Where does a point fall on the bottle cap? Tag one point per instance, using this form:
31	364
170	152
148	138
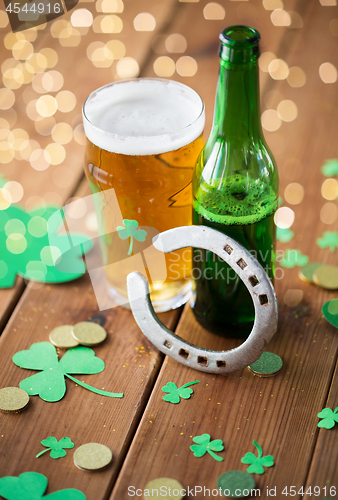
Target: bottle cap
239	44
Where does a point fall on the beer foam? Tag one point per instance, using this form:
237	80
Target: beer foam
143	116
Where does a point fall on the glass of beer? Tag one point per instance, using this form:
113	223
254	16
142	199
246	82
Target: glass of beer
144	136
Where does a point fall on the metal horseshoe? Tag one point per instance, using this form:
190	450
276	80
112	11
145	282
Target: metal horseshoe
250	272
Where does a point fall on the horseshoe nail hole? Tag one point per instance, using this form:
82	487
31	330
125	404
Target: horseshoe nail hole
242	264
253	280
201	360
221	364
167	344
263	299
184	354
228	249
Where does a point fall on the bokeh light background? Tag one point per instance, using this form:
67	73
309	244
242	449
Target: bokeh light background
48	71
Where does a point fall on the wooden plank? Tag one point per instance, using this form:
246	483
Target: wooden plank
58	182
323	470
280	413
131	363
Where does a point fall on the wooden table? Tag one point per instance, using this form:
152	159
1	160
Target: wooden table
150	438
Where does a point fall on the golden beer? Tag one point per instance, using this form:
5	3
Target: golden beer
143	143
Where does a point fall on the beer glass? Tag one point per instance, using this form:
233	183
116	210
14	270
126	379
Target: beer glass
143	139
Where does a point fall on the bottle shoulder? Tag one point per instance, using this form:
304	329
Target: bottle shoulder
220	160
235	184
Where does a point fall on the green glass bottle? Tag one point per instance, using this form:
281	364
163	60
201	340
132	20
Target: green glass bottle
235	188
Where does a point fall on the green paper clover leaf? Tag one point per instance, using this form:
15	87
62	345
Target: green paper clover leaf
330	312
175	394
330	168
329	240
204	445
284	234
131	231
329	417
257	463
294	258
50	384
31	486
31	247
56	447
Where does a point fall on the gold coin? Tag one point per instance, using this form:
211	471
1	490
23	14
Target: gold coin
306	272
62	337
88	333
164	488
92	456
13	399
326	277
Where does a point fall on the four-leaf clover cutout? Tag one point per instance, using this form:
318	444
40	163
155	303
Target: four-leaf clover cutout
329	417
257	463
56	447
50	383
204	445
176	393
329	240
31	486
131	231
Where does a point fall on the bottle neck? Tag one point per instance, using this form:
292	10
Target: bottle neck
237	107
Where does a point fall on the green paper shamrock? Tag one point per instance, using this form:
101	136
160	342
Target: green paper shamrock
31	486
257	463
50	383
330	168
205	445
329	239
30	247
130	231
329	417
284	234
294	258
56	447
330	312
176	393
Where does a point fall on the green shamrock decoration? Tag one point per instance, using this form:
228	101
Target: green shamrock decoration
50	383
294	258
284	234
257	463
56	447
330	168
31	247
32	486
330	312
329	240
205	445
130	231
175	393
329	417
